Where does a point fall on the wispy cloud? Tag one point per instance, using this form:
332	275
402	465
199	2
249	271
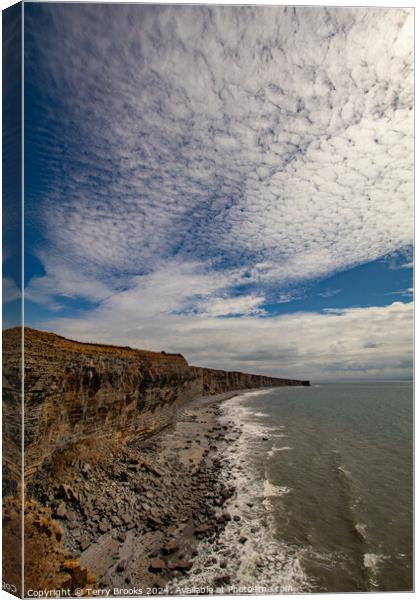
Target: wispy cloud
406	265
329	293
11	292
407	292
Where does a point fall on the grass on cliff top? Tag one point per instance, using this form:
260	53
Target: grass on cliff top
34	337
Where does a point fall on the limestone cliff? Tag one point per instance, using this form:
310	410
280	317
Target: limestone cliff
76	391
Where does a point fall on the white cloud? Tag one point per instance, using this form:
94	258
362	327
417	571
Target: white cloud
407	292
247	136
373	342
242	305
62	280
328	293
11	292
288	296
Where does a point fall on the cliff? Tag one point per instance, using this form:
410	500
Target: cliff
76	391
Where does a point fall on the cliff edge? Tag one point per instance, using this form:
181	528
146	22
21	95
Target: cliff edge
76	391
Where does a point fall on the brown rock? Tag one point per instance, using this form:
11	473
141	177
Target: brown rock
61	510
170	547
126	519
71	515
181	565
201	529
222	580
103	526
83	543
156	565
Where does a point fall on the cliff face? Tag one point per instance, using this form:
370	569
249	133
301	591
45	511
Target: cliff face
75	391
216	381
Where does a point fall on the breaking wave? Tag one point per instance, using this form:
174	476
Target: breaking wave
248	550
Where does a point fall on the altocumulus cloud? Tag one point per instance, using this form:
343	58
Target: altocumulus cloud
201	151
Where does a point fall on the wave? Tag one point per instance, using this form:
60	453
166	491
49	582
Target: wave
254	393
249	549
271	490
344	471
261	414
372	562
274	450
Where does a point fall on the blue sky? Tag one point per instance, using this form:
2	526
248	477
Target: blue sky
221	181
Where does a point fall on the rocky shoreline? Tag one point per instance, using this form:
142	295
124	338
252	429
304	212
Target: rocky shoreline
134	511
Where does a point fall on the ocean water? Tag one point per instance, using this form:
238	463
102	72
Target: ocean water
324	491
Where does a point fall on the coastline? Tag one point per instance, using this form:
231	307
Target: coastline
135	512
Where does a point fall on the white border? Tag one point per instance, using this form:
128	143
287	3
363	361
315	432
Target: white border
368	3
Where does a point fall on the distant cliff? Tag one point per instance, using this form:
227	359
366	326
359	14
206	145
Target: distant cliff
75	391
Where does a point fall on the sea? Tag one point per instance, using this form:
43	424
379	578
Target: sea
324	492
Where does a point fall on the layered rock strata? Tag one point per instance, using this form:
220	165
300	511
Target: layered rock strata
78	391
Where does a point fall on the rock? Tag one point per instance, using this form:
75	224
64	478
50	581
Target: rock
126	519
83	543
61	510
155	523
103	526
122	565
71	515
68	492
86	469
151	469
242	539
156	565
121	537
236	518
170	547
222	580
181	565
201	529
159	582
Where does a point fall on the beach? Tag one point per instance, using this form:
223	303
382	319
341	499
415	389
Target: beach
135	511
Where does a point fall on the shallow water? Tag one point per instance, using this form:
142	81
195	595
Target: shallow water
324	491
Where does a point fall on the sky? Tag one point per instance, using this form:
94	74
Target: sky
232	183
